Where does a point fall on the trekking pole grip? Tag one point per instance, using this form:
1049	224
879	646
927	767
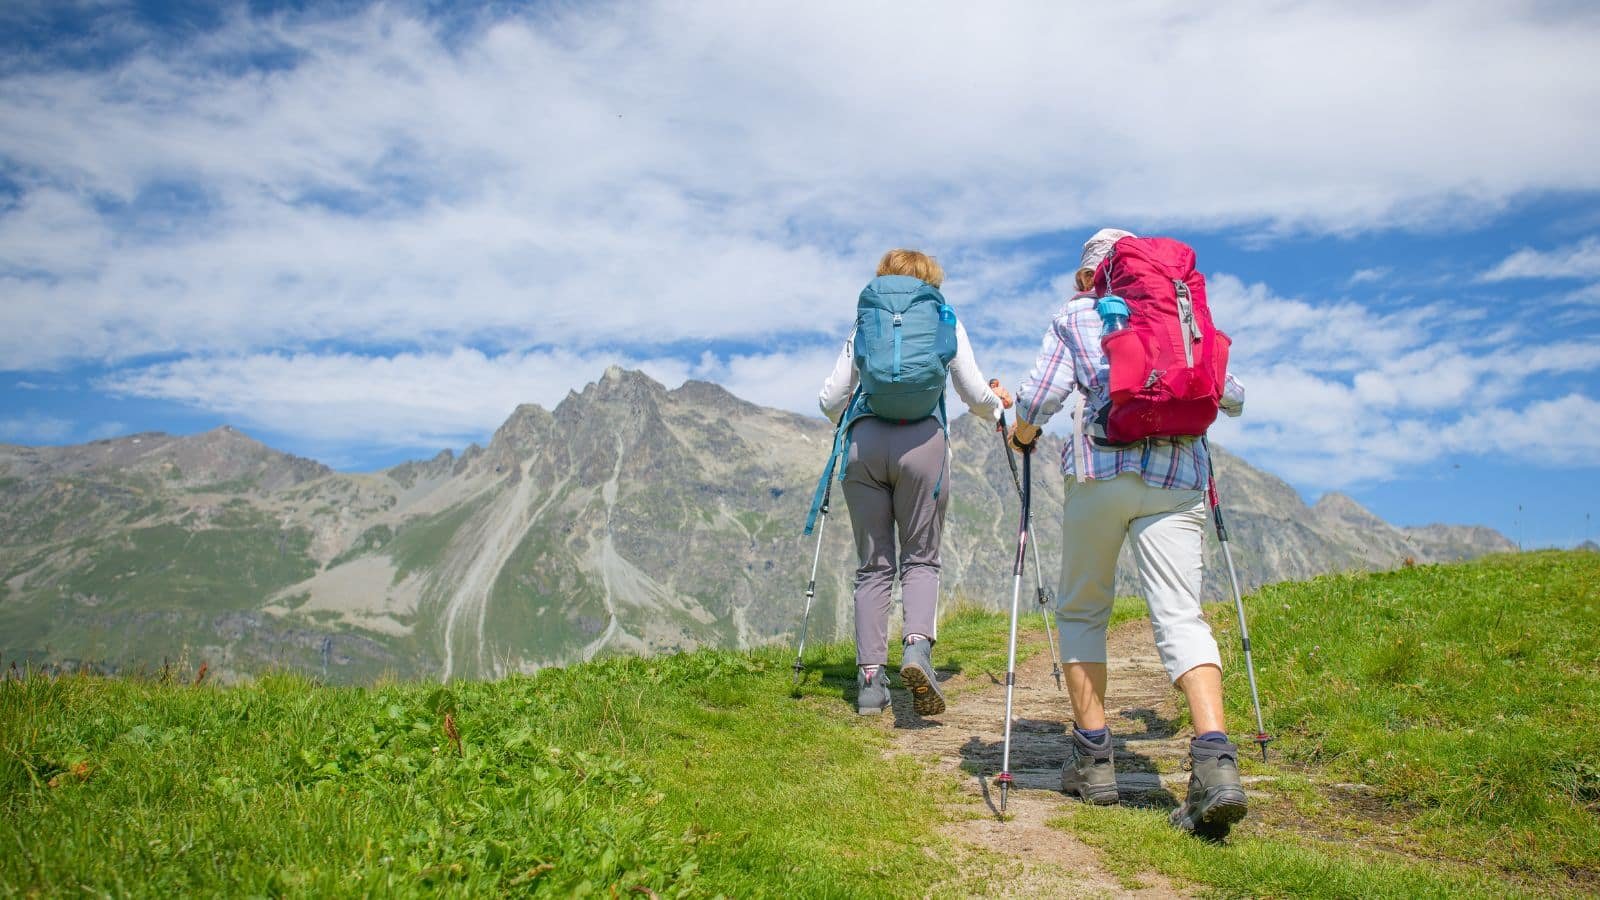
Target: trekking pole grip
1027	498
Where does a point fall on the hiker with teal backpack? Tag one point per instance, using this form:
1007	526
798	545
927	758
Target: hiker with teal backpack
1136	352
891	454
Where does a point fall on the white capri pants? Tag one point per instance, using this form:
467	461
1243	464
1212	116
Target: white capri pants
1168	531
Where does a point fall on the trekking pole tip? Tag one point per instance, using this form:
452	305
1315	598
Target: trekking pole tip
1263	739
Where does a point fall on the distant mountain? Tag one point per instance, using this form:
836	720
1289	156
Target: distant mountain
630	519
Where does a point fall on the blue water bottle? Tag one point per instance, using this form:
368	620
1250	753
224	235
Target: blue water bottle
1113	312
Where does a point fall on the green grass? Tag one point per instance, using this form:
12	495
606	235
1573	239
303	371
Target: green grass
1126	609
701	775
420	543
1468	696
371	541
230	566
1133	841
541	577
685	775
1467	699
145	593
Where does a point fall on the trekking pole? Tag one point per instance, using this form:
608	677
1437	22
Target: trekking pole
1011	646
811	587
1042	595
1262	737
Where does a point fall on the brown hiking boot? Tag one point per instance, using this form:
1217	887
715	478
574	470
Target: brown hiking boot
916	670
1090	771
1216	798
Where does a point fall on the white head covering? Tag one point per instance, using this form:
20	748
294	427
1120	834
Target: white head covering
1099	246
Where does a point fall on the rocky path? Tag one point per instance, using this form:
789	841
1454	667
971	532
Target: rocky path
1141	707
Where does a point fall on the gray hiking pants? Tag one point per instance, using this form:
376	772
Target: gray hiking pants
889	482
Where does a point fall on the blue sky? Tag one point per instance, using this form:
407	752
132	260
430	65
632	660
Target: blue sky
366	232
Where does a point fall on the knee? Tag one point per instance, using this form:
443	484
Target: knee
877	570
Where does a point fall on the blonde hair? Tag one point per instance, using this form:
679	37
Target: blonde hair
914	263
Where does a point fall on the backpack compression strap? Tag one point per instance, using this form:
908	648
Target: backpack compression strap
841	448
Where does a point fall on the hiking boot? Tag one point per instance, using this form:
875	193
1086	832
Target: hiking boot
872	692
916	670
1089	772
1216	799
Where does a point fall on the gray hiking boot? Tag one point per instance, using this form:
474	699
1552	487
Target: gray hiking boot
1216	799
872	694
1089	772
916	670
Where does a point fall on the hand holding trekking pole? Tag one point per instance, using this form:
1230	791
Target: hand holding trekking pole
1004	397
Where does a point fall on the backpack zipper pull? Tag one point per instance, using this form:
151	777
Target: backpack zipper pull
895	376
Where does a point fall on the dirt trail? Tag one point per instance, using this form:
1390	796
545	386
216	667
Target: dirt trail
965	742
1142	709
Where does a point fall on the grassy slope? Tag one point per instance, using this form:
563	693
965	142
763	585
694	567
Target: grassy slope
695	774
699	774
1467	697
150	591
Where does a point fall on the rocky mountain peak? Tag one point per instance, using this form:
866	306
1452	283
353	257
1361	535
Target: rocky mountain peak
528	427
714	396
407	473
621	395
226	454
1337	507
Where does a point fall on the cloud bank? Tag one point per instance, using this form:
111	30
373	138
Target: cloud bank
402	225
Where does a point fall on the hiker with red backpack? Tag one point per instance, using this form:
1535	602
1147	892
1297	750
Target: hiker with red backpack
1137	354
886	393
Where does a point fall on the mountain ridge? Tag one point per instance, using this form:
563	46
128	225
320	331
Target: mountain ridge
629	518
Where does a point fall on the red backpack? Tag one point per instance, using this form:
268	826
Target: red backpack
1169	365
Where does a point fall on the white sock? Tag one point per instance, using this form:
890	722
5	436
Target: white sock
914	637
869	671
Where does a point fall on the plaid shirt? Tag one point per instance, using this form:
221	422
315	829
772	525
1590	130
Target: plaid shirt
1071	360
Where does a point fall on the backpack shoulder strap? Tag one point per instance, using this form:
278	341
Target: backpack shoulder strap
1080	437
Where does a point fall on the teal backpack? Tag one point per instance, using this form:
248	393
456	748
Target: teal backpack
904	341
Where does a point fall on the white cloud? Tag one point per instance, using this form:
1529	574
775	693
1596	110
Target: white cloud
1564	431
109	429
785	380
409	400
1341	393
362	247
569	177
1580	260
35	428
430	400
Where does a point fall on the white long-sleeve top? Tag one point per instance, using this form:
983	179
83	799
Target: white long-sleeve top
971	386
